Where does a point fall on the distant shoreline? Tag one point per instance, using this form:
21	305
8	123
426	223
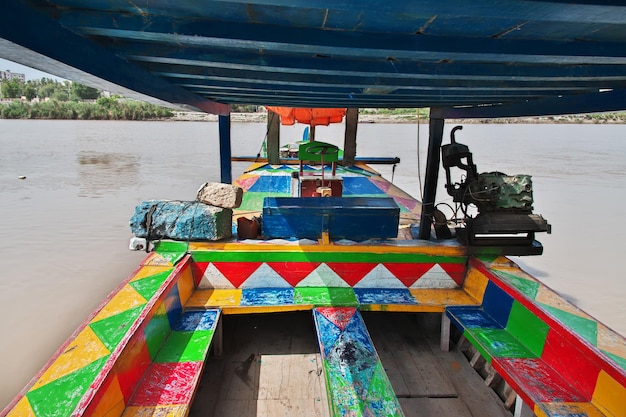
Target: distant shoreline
609	118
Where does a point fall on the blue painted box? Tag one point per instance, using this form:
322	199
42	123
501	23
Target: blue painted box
354	218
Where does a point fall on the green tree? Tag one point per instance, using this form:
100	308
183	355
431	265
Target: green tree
82	92
30	92
12	88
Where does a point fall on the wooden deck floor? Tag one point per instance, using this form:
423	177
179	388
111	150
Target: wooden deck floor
271	367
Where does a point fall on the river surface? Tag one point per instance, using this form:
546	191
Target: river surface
64	229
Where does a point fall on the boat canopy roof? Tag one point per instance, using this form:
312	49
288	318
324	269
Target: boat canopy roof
481	58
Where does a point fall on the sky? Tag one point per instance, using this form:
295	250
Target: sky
31	74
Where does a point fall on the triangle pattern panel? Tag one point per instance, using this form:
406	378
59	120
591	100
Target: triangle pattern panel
126	298
408	273
22	409
381	183
86	348
237	272
340	317
323	276
435	277
213	278
380	277
610	342
360	186
113	329
293	272
265	277
352	272
67	391
246	181
456	271
149	286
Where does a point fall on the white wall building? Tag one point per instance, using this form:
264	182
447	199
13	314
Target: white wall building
8	75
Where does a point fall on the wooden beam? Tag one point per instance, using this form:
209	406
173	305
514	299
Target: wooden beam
432	174
226	166
273	138
349	142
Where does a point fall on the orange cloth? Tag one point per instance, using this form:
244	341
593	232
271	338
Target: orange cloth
311	117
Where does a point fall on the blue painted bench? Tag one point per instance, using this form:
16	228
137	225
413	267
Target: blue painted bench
356	381
550	368
354	218
171	381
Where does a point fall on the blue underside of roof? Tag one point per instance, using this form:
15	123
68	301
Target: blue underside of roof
481	58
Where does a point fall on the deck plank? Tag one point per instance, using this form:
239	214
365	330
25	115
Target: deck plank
406	355
270	367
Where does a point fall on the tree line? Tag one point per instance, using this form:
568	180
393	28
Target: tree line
50	99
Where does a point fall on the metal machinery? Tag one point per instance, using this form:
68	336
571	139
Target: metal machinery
503	203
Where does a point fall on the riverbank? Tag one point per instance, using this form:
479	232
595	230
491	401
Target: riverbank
395	118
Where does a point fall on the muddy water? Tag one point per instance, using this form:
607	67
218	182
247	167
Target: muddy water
64	228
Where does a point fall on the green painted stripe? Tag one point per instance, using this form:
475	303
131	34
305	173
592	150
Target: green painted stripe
526	286
149	286
170	246
111	330
586	328
157	331
325	296
296	256
497	343
529	329
185	347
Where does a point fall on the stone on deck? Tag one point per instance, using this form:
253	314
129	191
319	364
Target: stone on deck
220	195
181	220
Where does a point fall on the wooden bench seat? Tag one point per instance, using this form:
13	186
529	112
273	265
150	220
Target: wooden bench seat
355	378
550	368
170	383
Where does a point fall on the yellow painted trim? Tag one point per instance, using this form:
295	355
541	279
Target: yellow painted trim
83	350
475	284
149	270
214	298
609	396
125	299
186	285
442	297
112	402
565	409
382	249
22	409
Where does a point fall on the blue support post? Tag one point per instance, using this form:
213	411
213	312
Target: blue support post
226	168
432	175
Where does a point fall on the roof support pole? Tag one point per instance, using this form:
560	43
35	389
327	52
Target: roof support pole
273	138
226	167
435	133
349	142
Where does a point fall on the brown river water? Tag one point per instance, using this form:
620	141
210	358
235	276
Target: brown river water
64	228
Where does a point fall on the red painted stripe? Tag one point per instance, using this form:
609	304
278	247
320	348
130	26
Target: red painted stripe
408	273
456	271
570	362
293	272
237	272
352	272
339	316
168	383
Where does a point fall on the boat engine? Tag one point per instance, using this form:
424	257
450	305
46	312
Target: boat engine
504	204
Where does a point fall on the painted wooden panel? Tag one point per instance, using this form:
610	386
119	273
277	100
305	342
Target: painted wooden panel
355	379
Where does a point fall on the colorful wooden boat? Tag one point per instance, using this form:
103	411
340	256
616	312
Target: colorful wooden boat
170	334
340	323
